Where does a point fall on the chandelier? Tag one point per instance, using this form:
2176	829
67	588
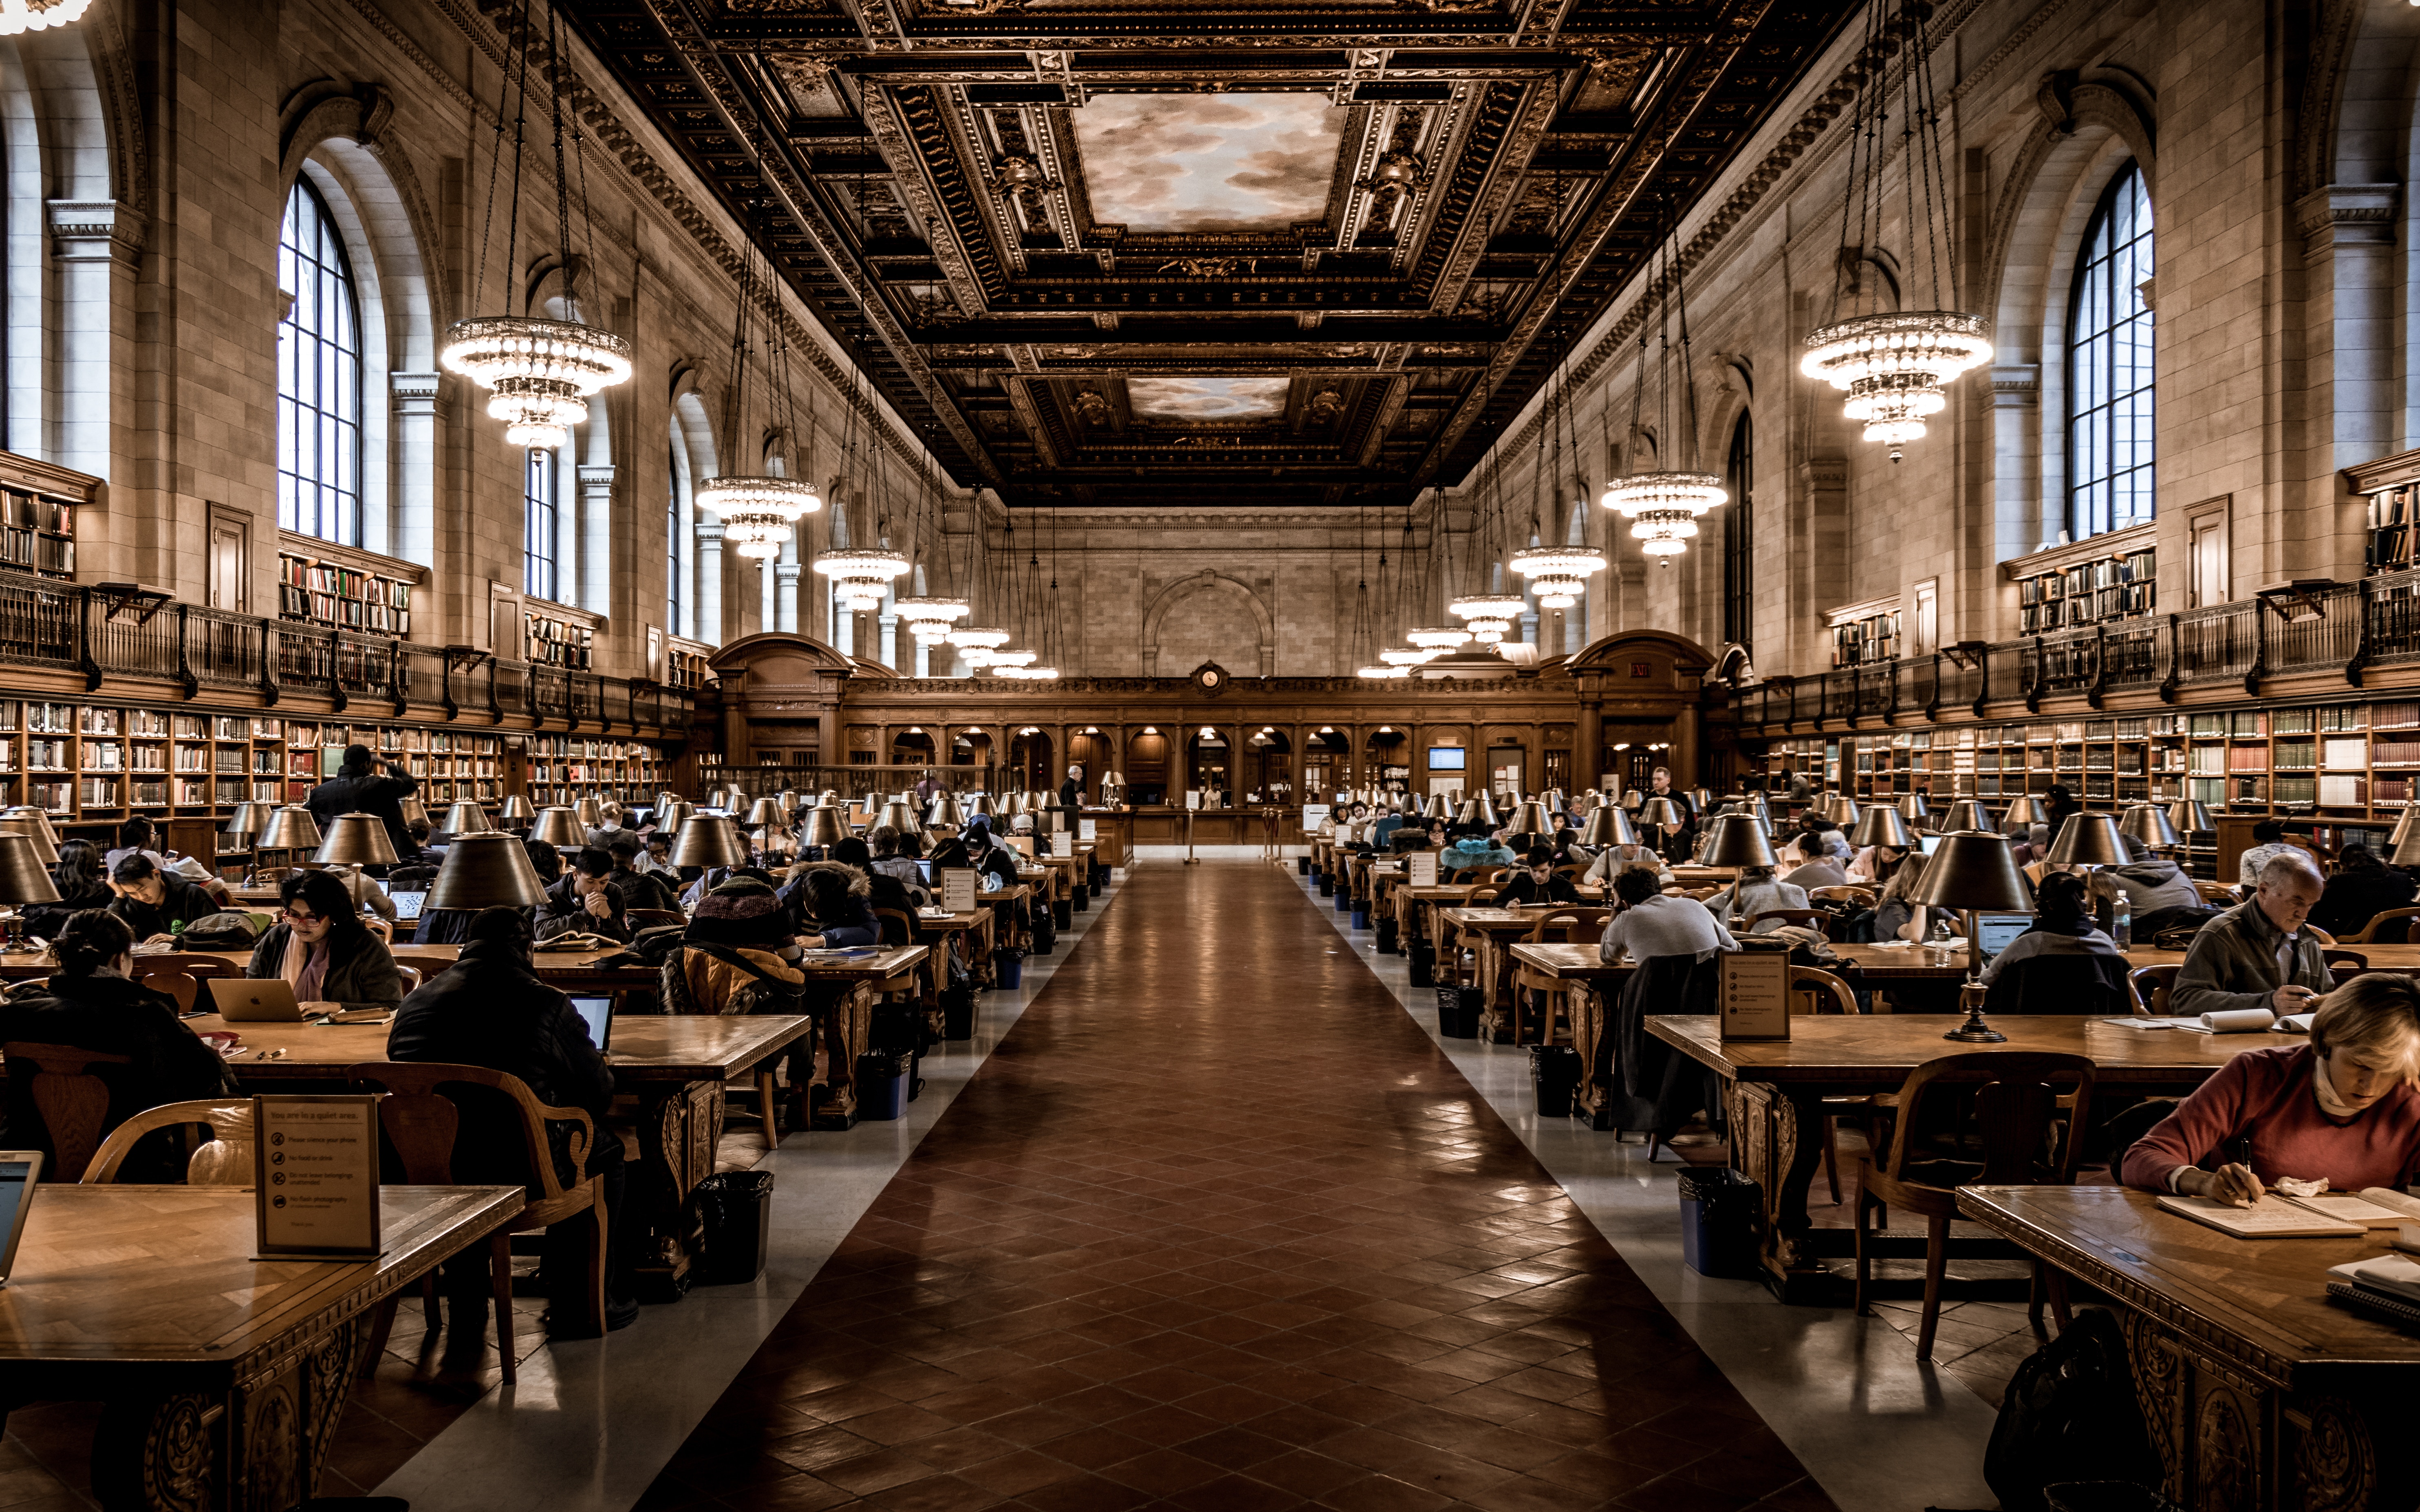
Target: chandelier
539	373
1018	659
1438	638
1397	656
1488	616
757	514
929	619
1664	505
1663	508
1893	365
976	643
860	577
1558	575
20	16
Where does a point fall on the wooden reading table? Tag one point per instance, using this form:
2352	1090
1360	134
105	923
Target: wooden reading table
977	926
846	1023
225	1377
2259	1391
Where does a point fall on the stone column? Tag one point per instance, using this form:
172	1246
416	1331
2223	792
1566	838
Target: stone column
2023	518
96	246
594	527
887	636
709	582
2348	258
415	409
786	597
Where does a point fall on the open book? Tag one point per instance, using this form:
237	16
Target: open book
2272	1217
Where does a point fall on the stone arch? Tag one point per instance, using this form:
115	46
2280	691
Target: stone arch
2356	113
696	547
1211	581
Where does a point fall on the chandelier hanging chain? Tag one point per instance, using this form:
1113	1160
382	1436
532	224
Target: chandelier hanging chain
558	70
517	16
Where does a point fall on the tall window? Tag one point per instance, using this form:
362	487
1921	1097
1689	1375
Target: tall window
541	513
2109	375
318	378
1739	536
671	542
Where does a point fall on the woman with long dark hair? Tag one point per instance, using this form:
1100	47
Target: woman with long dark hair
323	950
82	885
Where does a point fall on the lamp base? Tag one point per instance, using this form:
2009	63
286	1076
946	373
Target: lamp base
1974	1032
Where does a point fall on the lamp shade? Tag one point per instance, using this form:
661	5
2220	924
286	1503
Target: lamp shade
2148	825
671	813
45	851
1531	818
2406	852
788	799
1967	813
2090	839
2191	818
1608	825
898	815
1702	797
1837	808
516	806
2023	813
1911	807
1438	807
1971	870
468	818
708	839
767	811
1733	840
24	878
1760	810
250	819
589	812
981	803
823	826
356	840
945	811
559	827
290	830
1881	824
486	870
1664	812
40	821
1479	809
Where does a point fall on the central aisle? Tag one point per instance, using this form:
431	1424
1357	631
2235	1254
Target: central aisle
1216	1225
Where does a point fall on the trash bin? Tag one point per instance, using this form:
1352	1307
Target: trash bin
882	1085
1424	955
1302	865
1555	1070
1458	1013
1345	902
1008	967
736	1208
1361	919
2103	1496
1386	937
958	1013
1718	1215
1328	884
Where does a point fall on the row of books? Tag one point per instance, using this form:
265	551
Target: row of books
554	643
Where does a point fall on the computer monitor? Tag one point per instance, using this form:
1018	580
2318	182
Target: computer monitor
597	1013
1993	931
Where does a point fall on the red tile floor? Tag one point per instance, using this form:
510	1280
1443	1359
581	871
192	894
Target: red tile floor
1217	1227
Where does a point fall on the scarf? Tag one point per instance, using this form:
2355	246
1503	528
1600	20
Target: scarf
2331	1104
303	967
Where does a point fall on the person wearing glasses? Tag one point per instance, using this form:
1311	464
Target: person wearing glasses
323	950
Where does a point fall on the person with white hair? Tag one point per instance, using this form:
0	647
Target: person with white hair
1071	793
2258	955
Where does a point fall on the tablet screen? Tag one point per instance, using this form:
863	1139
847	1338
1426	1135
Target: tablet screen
16	1190
597	1013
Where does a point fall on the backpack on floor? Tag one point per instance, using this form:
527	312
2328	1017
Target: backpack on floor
2071	1414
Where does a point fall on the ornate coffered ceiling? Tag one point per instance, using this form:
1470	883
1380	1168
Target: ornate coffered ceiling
1191	252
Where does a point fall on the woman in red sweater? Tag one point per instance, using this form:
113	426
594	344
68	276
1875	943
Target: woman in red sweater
2344	1106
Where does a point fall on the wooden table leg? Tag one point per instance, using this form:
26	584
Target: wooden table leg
845	1028
678	1128
1593	1098
1777	1141
1496	1014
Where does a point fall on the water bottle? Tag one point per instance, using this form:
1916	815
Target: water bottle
1940	942
2122	923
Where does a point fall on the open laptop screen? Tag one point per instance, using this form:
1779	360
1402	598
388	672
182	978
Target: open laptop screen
597	1013
1993	931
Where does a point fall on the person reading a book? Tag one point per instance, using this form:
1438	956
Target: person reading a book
2258	955
2342	1107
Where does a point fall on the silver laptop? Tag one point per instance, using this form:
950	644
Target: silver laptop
1993	931
245	1000
407	904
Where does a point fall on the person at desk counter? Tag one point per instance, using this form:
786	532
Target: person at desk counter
1071	793
491	1009
153	901
1615	859
584	901
998	862
91	1003
135	837
829	900
1653	923
1536	881
2063	929
2342	1107
2258	955
323	950
355	789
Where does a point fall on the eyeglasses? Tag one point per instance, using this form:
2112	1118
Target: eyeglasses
293	918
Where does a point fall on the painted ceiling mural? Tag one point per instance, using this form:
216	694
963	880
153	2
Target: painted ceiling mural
1147	252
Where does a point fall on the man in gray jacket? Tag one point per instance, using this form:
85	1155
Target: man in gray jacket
2258	954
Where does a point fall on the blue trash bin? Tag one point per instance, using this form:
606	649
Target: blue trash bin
1361	919
1718	1215
1008	968
882	1085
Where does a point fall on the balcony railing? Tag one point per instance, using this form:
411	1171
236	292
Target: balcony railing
2341	627
82	631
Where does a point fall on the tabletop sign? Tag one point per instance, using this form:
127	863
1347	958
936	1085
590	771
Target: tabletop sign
1421	868
1193	797
958	890
315	1178
1311	815
1087	830
1755	995
1063	843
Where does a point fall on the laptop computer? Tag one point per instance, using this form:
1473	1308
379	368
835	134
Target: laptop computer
407	905
19	1171
1930	843
1993	931
244	1000
597	1013
924	870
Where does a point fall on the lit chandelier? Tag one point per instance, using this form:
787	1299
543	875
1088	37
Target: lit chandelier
1397	656
1018	659
758	511
976	643
1664	507
1438	638
1558	575
1488	616
1894	364
757	514
539	373
20	16
861	576
929	619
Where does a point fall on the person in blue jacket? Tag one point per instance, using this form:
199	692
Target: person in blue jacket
831	900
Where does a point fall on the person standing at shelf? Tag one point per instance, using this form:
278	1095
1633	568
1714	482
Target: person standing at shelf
357	788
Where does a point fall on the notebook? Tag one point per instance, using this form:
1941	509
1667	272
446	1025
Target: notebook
597	1013
2272	1217
244	1000
19	1171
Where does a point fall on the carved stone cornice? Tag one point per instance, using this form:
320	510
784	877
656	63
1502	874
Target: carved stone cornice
2347	215
94	231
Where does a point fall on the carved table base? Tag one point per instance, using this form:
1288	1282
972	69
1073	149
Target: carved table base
679	1125
844	1031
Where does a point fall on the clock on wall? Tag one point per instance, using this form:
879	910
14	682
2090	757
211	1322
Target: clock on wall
1210	677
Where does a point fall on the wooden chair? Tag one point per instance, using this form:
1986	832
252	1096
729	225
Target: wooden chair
72	1098
2216	893
2016	1114
2368	934
2320	934
422	1124
653	917
1812	991
1861	896
1564	925
223	1159
1814	918
897	926
178	984
2350	960
199	968
2151	986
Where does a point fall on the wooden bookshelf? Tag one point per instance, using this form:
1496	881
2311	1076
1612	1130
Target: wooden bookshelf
2102	590
318	590
1866	633
557	643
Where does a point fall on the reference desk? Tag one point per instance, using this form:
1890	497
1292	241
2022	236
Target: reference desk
2259	1391
224	1377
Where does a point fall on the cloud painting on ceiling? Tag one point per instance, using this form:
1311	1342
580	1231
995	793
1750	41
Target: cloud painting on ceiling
1208	162
1188	399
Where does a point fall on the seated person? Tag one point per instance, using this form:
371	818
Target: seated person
1536	881
1652	922
1876	864
2269	842
1473	852
658	858
1896	914
735	957
1826	868
831	903
609	827
584	901
2258	955
368	897
2062	926
639	890
2363	887
2153	883
884	888
135	838
1756	892
154	900
883	842
491	1009
432	846
1383	832
91	1003
82	884
996	861
323	950
1615	859
2342	1107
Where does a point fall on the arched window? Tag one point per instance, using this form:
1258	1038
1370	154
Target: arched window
1739	536
541	512
2109	387
672	541
319	376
